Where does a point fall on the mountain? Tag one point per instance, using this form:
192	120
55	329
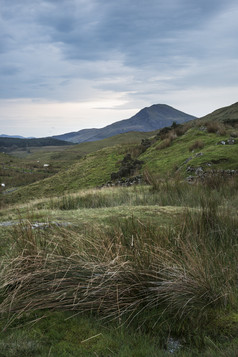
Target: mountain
148	119
227	114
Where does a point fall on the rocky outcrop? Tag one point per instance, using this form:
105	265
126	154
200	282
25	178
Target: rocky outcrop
124	182
199	173
128	167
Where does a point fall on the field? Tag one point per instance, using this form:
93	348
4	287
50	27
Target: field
145	270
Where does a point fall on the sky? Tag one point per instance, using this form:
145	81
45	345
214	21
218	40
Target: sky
67	65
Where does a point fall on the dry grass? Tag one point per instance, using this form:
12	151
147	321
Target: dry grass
198	144
216	127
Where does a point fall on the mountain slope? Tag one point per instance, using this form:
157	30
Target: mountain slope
148	119
225	114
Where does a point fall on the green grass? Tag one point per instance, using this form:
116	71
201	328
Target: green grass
172	158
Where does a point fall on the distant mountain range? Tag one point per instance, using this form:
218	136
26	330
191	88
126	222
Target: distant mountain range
148	119
14	136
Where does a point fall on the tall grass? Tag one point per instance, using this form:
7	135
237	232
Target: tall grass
162	192
185	271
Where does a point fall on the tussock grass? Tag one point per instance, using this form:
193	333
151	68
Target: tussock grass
123	271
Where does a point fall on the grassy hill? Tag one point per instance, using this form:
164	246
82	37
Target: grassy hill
196	148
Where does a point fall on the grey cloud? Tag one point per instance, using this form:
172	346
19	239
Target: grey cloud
54	47
8	70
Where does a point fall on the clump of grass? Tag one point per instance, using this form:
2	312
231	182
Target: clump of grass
198	144
216	127
167	139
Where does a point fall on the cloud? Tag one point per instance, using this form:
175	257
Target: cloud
144	51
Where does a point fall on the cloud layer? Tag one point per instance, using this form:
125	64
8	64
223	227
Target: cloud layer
107	59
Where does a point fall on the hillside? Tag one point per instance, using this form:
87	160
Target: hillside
227	114
192	153
148	119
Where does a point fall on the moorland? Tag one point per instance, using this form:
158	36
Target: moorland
125	246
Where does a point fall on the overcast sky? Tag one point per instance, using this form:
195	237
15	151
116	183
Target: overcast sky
67	65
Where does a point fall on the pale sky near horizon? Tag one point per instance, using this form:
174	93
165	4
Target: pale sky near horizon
66	65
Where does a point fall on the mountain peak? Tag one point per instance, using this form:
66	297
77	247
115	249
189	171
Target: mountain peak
147	119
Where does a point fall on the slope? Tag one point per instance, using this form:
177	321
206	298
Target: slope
227	114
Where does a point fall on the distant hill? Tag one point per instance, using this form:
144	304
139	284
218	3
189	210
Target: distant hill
14	136
148	119
21	143
227	114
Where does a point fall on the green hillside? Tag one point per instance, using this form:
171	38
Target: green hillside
196	148
227	114
170	154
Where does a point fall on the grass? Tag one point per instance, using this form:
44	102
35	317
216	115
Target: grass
173	158
154	271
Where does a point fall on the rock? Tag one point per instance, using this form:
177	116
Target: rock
127	168
190	169
187	160
199	171
190	179
125	182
